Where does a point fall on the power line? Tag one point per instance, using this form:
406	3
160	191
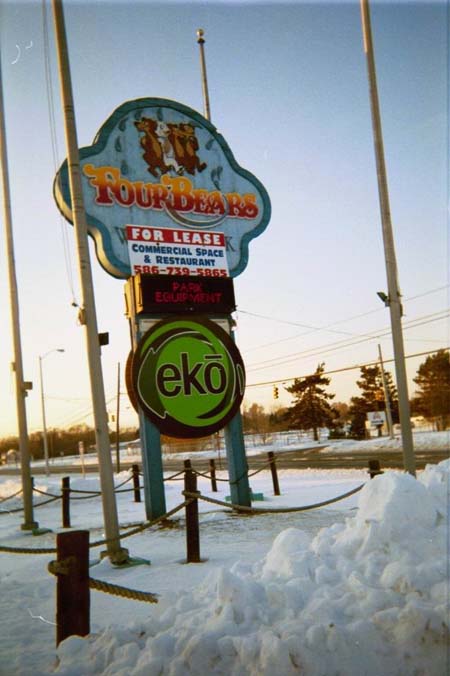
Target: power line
338	345
54	144
341	370
328	326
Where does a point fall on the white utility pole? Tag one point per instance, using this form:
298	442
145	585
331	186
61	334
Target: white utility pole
17	365
87	315
394	296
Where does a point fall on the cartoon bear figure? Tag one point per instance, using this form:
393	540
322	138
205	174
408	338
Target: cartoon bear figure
153	152
190	145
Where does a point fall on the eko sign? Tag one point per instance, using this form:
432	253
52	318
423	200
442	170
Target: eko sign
158	164
188	377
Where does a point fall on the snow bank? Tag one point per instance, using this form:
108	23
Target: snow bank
362	598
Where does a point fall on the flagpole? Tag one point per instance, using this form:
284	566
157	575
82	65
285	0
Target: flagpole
201	42
17	365
87	314
394	295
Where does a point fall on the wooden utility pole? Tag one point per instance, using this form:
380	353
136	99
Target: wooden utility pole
17	365
394	295
87	315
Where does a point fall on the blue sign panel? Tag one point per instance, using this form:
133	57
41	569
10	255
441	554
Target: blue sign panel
157	163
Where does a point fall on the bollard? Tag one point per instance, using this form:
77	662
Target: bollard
136	487
192	528
65	492
212	471
72	588
374	468
273	469
187	465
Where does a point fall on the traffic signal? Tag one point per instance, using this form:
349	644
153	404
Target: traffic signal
275	392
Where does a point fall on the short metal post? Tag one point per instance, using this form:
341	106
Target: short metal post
65	492
72	588
374	468
192	528
273	469
136	487
187	465
212	471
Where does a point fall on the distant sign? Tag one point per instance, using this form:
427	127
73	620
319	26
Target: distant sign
187	376
175	294
160	164
166	251
376	418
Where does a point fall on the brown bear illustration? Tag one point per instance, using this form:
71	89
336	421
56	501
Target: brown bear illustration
153	155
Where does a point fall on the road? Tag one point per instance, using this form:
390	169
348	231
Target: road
296	459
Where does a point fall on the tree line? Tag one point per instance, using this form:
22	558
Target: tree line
312	406
64	442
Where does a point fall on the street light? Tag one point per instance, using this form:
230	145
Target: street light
44	426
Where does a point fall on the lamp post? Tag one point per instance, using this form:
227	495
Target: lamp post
44	426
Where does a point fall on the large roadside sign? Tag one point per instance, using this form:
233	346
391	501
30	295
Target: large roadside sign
158	164
188	376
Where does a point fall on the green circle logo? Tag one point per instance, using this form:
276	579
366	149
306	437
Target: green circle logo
188	376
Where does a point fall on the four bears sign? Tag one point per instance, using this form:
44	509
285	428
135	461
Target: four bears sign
157	163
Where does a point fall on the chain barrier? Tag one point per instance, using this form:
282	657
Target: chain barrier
48	495
12	511
92	493
25	550
124	592
11	496
99	543
123	482
279	510
144	526
207	476
173	476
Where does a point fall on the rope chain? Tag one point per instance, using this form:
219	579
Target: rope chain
279	510
124	592
11	496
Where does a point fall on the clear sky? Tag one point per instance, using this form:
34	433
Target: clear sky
289	93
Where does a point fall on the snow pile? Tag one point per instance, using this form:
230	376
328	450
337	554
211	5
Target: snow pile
366	597
423	441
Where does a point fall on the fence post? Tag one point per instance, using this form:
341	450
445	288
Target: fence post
192	528
374	468
212	471
187	465
136	487
72	587
65	492
273	469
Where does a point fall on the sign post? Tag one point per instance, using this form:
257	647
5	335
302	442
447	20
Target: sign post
173	212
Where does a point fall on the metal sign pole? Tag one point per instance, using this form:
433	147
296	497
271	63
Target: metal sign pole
88	317
394	299
154	497
237	461
201	42
21	393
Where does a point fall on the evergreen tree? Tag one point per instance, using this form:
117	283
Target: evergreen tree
371	399
432	398
311	408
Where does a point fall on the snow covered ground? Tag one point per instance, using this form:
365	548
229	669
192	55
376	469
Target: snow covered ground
279	443
358	588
